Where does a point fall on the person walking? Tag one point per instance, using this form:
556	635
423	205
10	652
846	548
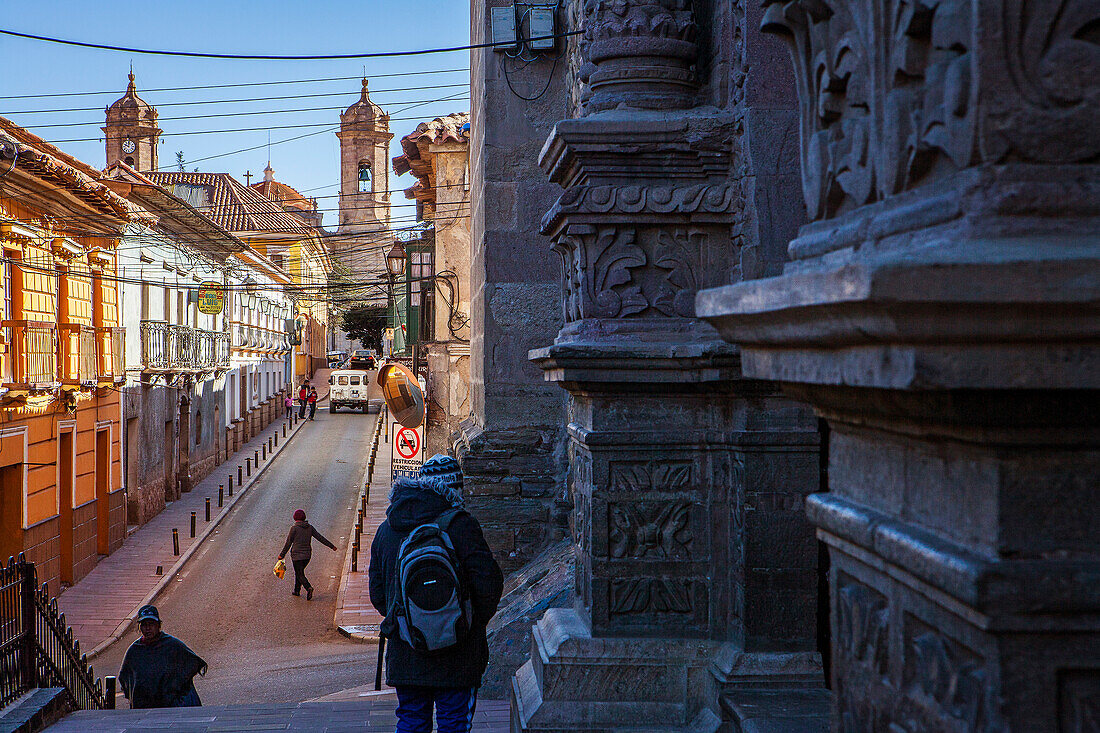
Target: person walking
312	400
299	544
447	678
158	670
289	404
303	396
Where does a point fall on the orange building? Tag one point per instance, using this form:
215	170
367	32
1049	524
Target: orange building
61	495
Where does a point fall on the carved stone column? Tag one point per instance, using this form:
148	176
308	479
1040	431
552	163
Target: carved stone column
941	313
695	565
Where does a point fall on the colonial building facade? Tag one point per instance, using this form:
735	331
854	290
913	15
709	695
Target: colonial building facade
853	294
437	153
61	489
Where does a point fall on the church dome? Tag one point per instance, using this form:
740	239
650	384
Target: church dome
365	111
131	105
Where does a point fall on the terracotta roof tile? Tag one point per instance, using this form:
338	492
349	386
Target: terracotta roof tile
230	203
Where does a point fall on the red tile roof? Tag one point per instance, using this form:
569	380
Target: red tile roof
230	203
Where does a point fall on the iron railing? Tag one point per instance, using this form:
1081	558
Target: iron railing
33	353
37	648
168	348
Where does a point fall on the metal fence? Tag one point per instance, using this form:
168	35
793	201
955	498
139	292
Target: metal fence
37	648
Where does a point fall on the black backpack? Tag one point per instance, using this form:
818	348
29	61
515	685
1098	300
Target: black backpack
432	611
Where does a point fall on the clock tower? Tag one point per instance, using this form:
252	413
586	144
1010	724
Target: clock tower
131	131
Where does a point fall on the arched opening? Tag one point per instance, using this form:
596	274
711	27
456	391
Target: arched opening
129	160
364	176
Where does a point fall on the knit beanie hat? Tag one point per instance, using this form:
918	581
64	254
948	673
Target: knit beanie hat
441	474
299	515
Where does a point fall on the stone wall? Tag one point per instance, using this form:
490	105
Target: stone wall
512	448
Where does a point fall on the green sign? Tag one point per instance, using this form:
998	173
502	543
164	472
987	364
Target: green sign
211	298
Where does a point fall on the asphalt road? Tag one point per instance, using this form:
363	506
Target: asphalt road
261	643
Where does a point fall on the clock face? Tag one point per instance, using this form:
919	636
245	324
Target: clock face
128	146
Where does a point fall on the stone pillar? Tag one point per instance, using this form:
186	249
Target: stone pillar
941	313
696	569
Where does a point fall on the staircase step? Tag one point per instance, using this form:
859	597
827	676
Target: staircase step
778	711
34	711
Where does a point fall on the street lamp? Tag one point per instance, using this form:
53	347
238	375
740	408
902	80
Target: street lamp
395	259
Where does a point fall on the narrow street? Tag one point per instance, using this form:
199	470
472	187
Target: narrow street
262	644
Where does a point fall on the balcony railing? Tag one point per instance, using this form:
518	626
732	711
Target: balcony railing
78	354
111	342
32	354
182	349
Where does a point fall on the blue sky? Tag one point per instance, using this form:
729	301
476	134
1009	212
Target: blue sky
311	163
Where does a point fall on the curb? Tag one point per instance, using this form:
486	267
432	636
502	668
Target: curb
368	633
171	573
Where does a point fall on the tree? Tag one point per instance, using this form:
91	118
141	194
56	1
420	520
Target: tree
179	161
365	323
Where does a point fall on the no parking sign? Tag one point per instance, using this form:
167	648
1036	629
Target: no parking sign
406	452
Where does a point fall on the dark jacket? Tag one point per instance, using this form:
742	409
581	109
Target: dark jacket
464	664
160	674
298	541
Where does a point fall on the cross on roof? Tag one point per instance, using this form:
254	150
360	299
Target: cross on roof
248	178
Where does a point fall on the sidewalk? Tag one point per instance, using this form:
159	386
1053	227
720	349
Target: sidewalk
355	617
101	607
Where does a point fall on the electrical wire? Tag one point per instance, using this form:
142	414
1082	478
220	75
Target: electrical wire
240	84
267	57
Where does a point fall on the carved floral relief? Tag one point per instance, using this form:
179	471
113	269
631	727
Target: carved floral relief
895	94
650	530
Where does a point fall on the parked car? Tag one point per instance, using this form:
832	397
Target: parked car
336	358
362	359
351	388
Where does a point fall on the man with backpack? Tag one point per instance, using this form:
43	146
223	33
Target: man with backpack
435	580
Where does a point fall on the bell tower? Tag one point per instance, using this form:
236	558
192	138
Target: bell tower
131	131
364	165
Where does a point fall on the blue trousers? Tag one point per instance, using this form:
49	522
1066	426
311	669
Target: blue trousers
454	709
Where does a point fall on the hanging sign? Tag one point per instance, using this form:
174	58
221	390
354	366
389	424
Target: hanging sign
407	454
211	298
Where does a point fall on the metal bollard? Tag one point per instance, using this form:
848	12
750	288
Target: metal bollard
269	446
359	520
221	496
355	558
231	486
208	508
284	430
276	440
240	475
265	452
175	541
247	466
192	524
358	533
109	692
257	460
160	570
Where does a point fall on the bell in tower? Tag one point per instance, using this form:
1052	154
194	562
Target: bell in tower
131	131
364	165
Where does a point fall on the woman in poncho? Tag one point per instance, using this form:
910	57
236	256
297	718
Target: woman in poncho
159	669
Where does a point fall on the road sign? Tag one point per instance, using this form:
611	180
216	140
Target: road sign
211	297
407	451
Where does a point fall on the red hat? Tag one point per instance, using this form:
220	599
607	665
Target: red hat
299	515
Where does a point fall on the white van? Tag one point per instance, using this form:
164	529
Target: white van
351	388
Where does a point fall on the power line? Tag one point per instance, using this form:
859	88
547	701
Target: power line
194	102
269	57
241	114
238	85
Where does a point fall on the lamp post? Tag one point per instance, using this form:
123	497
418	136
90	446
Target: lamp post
395	264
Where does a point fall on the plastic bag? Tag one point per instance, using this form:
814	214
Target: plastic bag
280	568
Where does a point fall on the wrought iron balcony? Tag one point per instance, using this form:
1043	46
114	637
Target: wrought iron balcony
31	354
182	349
